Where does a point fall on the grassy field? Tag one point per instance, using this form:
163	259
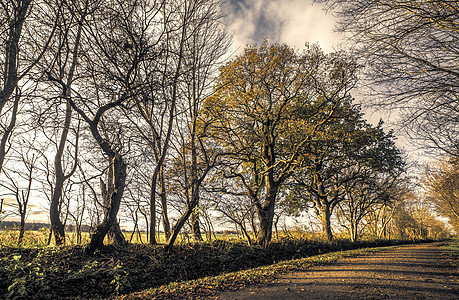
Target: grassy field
39	238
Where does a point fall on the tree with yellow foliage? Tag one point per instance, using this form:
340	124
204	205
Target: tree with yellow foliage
268	104
442	183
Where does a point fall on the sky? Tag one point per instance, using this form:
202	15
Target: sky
293	22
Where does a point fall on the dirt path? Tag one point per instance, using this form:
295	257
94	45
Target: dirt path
411	272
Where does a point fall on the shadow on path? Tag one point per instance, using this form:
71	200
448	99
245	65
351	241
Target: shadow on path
412	272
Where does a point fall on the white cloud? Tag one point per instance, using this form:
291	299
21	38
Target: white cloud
303	22
293	22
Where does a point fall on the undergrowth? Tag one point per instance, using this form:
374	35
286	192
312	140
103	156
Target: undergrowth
67	272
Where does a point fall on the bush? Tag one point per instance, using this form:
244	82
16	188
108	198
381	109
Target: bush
68	272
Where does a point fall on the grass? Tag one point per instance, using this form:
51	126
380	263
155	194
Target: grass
39	238
452	250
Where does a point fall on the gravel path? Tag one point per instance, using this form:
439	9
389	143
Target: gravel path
410	272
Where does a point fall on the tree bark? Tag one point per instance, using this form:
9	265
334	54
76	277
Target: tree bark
326	224
163	197
195	216
266	215
189	210
57	227
178	226
110	221
114	233
153	207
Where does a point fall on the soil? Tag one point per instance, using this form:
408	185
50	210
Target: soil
410	272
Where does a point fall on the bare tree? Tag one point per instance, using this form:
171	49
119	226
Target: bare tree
23	43
371	190
239	210
60	67
410	49
118	40
442	182
16	178
186	24
206	44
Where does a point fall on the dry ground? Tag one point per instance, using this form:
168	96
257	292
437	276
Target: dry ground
410	272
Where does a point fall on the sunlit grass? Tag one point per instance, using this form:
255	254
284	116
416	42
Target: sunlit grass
40	238
31	239
452	248
34	268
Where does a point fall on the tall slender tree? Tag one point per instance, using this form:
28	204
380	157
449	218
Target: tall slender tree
23	42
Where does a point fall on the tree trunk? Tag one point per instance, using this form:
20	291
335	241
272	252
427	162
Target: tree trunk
23	211
163	196
153	207
189	210
197	235
266	211
195	225
8	130
194	185
57	226
266	226
326	224
266	216
21	230
178	226
353	232
10	67
1	209
116	235
97	239
246	234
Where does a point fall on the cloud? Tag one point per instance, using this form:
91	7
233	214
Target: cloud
249	21
293	22
41	214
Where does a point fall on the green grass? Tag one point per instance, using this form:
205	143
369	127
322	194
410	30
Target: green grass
452	249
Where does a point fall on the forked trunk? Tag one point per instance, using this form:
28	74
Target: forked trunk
110	221
178	226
